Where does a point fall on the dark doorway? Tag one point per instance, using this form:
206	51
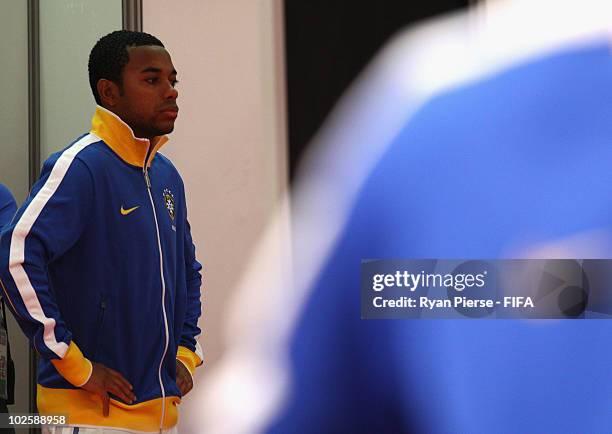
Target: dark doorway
328	42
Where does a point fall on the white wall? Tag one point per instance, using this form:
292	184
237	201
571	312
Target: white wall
14	103
229	142
68	31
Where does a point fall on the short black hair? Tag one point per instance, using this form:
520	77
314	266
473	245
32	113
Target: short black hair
110	55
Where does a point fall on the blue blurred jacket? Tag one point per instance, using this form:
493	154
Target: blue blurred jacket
522	157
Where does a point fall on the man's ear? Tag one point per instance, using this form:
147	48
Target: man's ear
109	92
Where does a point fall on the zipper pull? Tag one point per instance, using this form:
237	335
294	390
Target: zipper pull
148	181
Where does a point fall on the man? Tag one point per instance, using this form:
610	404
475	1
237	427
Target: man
99	265
494	130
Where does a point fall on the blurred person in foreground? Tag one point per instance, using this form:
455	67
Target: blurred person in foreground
484	134
99	266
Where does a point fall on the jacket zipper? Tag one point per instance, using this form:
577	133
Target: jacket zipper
161	273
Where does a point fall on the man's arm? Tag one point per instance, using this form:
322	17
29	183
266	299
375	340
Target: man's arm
189	354
47	225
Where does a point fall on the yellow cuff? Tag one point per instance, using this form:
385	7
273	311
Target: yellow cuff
188	358
74	367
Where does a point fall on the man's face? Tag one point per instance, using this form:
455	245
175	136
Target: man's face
148	101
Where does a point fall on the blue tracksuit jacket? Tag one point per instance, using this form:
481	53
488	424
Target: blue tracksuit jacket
99	266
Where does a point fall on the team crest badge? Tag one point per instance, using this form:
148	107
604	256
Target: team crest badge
169	202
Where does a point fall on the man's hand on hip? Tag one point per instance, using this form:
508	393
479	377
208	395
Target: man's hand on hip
183	378
104	380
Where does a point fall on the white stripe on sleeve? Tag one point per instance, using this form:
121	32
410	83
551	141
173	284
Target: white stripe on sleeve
21	231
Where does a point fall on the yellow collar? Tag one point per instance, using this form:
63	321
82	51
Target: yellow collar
121	139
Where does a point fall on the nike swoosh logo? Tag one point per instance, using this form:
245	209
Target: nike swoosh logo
127	211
